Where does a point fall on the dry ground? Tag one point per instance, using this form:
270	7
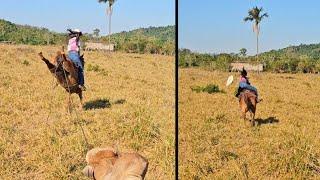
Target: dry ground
130	105
215	143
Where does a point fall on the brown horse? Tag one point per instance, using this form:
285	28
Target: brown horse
248	102
105	163
66	73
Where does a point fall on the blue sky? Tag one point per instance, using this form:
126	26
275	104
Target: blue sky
87	15
217	26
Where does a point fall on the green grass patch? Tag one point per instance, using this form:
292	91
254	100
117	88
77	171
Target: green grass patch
98	69
210	88
26	62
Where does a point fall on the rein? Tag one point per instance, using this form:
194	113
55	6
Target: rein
70	99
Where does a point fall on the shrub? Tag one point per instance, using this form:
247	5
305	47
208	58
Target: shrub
210	88
25	62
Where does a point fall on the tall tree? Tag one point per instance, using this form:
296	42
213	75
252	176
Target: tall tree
109	12
255	15
243	52
96	32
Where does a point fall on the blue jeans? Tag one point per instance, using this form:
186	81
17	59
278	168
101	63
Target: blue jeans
75	58
249	87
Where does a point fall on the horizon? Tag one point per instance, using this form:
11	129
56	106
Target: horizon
216	27
127	15
89	32
211	53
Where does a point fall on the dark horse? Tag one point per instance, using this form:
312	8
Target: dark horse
248	102
66	73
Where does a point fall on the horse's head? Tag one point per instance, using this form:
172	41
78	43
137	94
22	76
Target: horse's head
59	59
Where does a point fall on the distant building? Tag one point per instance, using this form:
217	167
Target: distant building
237	66
91	46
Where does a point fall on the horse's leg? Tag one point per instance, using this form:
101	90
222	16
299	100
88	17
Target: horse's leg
252	118
244	115
50	66
81	97
243	109
253	110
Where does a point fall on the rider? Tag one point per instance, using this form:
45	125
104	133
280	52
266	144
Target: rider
245	84
74	54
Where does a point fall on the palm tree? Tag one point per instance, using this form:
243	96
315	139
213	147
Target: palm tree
109	12
254	14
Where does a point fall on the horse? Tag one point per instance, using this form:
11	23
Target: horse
106	163
66	73
248	102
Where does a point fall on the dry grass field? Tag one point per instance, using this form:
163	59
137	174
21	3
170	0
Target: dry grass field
215	143
129	105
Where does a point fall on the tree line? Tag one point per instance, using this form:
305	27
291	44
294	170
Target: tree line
293	59
154	40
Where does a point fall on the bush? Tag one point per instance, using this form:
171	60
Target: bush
97	68
210	88
25	62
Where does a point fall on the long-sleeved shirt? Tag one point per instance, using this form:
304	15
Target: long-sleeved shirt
244	80
73	44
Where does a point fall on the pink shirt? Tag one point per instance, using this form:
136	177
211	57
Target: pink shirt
244	80
73	45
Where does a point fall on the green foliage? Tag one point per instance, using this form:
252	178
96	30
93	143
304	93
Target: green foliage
153	40
215	62
293	59
26	62
97	68
243	52
210	88
28	35
96	32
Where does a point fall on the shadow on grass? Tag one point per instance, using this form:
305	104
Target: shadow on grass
269	120
101	103
119	101
97	104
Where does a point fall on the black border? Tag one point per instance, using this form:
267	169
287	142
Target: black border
176	95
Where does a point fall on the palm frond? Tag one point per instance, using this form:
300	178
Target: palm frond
254	14
111	2
248	18
260	9
265	15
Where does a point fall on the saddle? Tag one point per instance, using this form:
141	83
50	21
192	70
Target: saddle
243	90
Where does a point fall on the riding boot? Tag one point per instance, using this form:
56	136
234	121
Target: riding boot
81	79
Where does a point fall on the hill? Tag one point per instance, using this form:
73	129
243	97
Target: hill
154	40
25	34
302	58
166	33
303	50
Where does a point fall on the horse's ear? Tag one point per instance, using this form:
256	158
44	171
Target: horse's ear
88	171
